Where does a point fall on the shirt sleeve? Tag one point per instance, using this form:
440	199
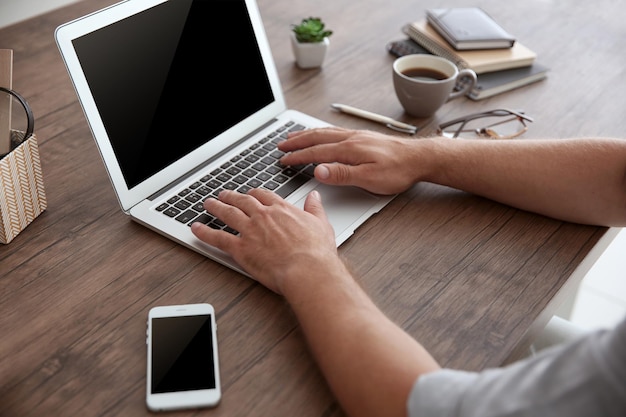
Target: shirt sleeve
583	378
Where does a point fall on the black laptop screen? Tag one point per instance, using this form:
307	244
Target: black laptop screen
170	78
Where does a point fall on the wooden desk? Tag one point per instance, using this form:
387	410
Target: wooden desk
472	279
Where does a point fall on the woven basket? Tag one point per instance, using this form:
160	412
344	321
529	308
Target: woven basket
22	194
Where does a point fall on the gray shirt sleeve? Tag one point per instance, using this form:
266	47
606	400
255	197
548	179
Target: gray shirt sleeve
583	378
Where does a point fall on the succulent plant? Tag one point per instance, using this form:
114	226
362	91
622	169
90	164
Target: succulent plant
311	30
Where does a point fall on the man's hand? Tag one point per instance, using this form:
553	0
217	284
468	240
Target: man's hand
276	240
379	163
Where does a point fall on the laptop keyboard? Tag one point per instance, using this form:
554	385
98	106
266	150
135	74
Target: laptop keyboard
255	167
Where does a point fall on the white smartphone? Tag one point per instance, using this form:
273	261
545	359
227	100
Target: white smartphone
183	367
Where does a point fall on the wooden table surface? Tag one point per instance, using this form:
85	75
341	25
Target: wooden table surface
472	279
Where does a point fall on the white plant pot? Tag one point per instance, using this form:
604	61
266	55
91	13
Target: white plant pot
309	55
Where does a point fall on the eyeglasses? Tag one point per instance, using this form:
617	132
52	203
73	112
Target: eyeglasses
19	124
494	124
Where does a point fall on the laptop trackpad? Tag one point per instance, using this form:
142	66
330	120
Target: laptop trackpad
345	206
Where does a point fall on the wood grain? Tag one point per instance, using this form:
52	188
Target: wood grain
472	279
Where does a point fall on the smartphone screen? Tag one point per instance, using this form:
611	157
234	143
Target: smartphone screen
182	358
182	354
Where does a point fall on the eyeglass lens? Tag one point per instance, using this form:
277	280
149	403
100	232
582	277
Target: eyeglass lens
487	125
16	122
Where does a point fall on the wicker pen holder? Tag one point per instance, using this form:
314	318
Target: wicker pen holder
22	195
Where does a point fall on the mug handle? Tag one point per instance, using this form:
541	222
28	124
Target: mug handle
467	80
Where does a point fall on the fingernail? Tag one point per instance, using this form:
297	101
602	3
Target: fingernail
322	172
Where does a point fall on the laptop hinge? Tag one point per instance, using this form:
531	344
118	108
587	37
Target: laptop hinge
209	161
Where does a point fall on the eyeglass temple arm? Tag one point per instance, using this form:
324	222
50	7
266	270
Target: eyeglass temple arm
498	112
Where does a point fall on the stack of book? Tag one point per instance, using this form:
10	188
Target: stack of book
470	38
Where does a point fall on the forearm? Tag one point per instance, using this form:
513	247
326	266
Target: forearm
369	362
578	180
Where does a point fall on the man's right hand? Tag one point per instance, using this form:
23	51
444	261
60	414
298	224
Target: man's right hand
381	164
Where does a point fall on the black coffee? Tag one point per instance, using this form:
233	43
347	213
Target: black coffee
426	74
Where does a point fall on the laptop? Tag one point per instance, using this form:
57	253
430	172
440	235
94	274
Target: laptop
183	98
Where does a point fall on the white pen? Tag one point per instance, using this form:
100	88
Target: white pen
387	121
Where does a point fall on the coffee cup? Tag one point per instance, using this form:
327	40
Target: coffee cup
423	83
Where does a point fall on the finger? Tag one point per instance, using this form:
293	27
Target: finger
313	205
316	130
338	174
228	213
265	197
363	176
217	238
243	202
343	152
311	137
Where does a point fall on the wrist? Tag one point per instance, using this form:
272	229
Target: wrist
311	274
418	159
430	154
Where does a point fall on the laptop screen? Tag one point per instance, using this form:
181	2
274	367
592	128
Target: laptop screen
167	80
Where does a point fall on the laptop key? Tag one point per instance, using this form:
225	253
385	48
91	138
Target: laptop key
230	186
249	173
281	178
290	172
182	204
233	171
203	191
244	189
171	212
292	185
268	160
309	170
273	169
271	185
240	179
254	183
223	177
259	166
213	184
203	218
263	176
187	216
192	198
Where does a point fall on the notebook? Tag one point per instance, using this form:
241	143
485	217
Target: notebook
492	83
480	61
175	91
467	28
